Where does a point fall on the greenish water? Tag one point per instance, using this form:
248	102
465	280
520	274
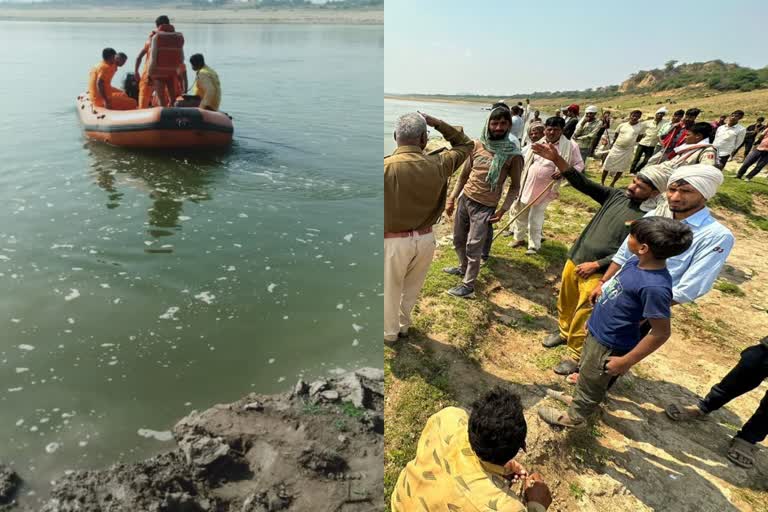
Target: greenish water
139	286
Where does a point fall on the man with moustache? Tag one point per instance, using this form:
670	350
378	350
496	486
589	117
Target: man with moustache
478	190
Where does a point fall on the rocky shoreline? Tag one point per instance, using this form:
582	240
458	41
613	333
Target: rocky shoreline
319	447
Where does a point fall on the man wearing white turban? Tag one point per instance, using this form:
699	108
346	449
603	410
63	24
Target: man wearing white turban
694	271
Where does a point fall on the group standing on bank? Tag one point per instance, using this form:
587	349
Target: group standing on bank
647	249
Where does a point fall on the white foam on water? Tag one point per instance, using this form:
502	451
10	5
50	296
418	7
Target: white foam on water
339	306
164	435
242	215
271	287
348	237
22	370
26	347
206	297
3	257
16	320
52	447
19	423
355	343
112	363
105	345
271	361
104	285
184	217
231	268
14	390
357	328
169	314
82	444
116	301
70	321
73	294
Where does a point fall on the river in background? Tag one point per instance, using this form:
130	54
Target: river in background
139	286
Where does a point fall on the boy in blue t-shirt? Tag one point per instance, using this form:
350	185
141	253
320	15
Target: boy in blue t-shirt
640	292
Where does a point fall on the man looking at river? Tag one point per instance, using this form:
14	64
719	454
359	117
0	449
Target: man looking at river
415	188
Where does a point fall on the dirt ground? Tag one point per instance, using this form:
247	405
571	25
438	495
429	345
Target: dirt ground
633	458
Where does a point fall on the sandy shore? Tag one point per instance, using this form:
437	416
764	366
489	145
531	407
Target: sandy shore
431	99
186	16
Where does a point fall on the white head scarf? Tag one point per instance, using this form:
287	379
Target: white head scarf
662	110
703	177
659	176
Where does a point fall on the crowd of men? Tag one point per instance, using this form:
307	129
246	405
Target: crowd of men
157	85
648	248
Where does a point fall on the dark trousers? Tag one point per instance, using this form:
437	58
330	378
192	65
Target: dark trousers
757	157
470	229
721	161
747	145
642	151
488	242
749	372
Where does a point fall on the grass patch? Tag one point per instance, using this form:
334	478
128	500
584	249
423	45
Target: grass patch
576	491
738	196
729	288
349	409
549	358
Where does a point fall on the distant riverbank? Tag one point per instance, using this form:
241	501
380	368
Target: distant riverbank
436	99
186	16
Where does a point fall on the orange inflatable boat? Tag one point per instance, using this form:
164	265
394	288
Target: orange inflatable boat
156	127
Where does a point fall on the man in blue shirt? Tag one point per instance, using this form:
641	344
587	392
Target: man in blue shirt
639	295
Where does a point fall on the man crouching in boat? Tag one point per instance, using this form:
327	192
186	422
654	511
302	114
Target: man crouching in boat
100	89
207	91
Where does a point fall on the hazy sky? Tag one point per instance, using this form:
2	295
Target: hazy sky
500	47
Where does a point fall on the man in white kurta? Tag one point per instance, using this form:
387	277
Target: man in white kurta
619	159
537	175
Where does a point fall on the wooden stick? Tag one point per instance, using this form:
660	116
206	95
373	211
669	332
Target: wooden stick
531	203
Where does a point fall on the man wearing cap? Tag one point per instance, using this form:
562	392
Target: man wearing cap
494	158
586	131
571	120
647	143
415	187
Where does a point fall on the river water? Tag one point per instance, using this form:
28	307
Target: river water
139	286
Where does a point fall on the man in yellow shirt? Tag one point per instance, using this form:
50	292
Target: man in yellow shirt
465	462
207	91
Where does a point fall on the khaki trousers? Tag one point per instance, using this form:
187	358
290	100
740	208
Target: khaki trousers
406	262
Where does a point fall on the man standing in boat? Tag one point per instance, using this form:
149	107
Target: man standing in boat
159	77
207	91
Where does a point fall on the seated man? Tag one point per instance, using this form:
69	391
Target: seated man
100	89
466	461
207	91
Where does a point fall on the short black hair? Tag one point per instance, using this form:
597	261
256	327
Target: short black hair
197	60
162	20
693	112
499	104
679	112
500	113
703	129
123	55
739	113
664	237
516	110
760	119
497	427
107	53
555	122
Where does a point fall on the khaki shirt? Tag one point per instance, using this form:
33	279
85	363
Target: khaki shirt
446	475
475	172
416	184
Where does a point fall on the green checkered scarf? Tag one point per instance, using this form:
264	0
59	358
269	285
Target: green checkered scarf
502	150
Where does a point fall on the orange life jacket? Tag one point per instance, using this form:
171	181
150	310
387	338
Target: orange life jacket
166	52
